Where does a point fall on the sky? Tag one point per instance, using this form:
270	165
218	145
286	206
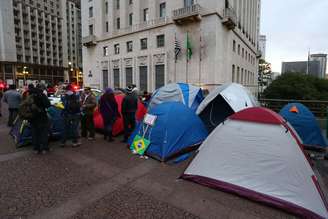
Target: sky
292	28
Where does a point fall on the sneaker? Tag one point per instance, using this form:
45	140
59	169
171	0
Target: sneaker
91	139
77	144
62	145
44	152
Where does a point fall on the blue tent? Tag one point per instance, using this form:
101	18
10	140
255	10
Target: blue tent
305	124
177	130
21	130
189	95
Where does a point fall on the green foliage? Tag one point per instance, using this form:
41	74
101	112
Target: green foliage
297	86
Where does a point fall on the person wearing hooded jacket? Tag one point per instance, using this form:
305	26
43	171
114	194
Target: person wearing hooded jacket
40	123
129	109
71	115
109	111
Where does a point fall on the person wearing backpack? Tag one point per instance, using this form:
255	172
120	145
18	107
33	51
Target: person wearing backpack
71	114
109	111
34	109
89	103
13	99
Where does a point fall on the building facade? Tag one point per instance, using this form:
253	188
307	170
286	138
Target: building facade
150	43
262	46
302	67
322	59
36	39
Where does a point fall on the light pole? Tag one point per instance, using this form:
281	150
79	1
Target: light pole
25	74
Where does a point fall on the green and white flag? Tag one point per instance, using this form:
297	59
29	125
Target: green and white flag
189	47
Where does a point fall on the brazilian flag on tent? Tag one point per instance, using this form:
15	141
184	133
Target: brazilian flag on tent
140	144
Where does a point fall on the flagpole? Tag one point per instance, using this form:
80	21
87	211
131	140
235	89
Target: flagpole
175	59
187	59
200	56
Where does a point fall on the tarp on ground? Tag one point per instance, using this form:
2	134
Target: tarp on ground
305	124
256	154
224	101
177	130
118	125
189	95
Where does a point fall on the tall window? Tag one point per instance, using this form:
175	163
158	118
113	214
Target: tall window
188	3
233	73
145	14
106	26
128	76
160	40
238	49
105	51
130	19
234	45
238	72
116	78
143	44
159	76
90	29
106	7
117	4
143	78
242	52
130	2
129	46
242	76
117	49
162	9
90	11
118	23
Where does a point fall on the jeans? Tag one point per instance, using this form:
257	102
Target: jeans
129	120
71	125
87	125
108	128
12	116
40	130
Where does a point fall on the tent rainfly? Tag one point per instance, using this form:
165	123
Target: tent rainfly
305	124
223	102
257	155
191	96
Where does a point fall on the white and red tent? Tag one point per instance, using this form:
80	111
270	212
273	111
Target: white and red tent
256	154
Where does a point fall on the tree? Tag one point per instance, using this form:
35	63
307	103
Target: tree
297	86
264	74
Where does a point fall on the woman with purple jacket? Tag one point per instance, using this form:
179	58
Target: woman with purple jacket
109	111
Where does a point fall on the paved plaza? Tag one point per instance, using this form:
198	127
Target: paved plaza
104	180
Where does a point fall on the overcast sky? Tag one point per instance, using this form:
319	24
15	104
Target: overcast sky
292	28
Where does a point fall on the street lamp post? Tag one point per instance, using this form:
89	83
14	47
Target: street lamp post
25	73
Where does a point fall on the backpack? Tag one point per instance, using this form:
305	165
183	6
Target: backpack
72	105
28	109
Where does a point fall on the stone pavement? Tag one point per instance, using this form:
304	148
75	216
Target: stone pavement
104	180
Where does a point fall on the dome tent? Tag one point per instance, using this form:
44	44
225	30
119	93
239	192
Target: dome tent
257	155
177	130
305	124
189	95
224	101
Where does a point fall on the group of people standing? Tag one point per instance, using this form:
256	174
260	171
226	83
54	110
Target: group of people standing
109	111
78	108
82	109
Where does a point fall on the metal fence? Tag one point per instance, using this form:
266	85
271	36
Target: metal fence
317	107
